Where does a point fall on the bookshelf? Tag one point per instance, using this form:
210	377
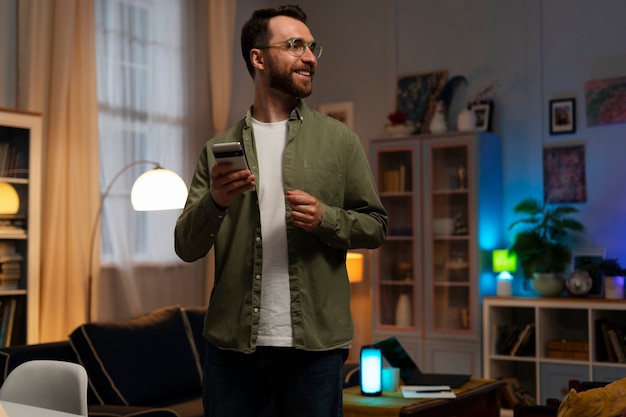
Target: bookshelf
20	171
567	342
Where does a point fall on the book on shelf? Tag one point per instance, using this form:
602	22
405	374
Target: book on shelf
522	340
515	340
12	227
8	307
610	341
617	346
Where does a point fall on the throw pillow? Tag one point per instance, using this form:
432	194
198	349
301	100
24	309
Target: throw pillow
147	360
608	401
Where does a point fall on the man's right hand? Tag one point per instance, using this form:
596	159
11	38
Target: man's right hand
225	186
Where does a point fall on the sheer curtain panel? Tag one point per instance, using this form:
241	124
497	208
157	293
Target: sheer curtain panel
145	55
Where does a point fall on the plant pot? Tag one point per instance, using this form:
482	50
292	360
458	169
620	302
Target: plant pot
547	285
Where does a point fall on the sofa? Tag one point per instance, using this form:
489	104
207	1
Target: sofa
148	366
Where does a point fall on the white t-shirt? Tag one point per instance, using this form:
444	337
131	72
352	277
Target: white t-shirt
275	327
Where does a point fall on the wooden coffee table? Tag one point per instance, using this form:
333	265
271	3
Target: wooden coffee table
476	398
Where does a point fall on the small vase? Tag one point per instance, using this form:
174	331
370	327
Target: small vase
403	310
466	120
438	122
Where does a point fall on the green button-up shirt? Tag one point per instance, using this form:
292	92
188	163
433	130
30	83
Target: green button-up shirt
324	158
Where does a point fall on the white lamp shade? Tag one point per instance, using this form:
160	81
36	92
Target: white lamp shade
9	199
158	189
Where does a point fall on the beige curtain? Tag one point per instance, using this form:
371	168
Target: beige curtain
221	34
221	46
58	78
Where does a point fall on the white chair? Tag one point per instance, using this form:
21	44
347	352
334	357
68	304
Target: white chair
55	385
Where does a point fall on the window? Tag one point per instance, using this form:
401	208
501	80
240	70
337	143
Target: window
141	96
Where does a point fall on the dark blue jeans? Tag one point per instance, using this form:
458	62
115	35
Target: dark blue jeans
291	381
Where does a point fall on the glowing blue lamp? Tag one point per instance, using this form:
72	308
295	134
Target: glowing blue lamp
371	370
504	264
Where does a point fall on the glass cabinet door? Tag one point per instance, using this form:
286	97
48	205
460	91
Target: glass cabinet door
396	275
449	239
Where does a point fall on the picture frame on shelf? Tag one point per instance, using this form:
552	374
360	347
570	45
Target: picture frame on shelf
342	111
483	112
586	256
562	116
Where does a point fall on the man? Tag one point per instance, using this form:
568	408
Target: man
278	323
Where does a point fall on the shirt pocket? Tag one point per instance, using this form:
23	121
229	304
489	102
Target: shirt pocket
324	180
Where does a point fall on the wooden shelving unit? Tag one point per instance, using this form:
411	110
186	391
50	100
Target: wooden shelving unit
20	233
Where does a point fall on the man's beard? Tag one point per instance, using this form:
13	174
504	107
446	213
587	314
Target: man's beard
283	81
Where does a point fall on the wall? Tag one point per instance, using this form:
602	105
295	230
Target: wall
536	50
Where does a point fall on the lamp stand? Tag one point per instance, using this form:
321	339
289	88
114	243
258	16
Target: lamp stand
103	197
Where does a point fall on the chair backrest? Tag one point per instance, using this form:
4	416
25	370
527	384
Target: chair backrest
55	385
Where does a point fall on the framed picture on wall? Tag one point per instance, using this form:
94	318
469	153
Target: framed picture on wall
483	112
342	111
562	116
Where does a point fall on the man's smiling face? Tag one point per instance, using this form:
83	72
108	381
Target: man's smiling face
290	74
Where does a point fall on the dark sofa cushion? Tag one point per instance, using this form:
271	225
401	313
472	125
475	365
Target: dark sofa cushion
12	357
142	361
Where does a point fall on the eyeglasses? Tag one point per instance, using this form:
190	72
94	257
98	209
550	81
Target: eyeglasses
297	47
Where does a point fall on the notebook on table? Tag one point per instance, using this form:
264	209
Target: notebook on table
410	373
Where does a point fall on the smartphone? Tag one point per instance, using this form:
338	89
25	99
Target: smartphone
231	152
371	370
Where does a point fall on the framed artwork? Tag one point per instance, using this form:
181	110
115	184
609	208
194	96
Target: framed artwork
584	257
564	179
416	96
342	111
483	112
605	101
562	116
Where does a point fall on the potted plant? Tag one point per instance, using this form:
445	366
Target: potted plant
540	242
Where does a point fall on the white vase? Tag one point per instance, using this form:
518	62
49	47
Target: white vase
438	122
466	120
403	310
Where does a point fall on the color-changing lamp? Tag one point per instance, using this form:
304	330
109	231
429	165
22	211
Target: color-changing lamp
504	264
354	264
371	370
9	199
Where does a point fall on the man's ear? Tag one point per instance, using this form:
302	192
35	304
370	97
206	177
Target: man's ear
256	57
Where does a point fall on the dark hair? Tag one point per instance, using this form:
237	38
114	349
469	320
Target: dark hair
255	31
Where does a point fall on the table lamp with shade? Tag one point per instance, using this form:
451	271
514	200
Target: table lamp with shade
9	199
504	264
154	190
354	264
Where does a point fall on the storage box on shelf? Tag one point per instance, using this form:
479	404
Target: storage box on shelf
20	170
569	342
425	275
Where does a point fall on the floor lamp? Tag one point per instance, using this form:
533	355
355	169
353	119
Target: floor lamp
156	189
